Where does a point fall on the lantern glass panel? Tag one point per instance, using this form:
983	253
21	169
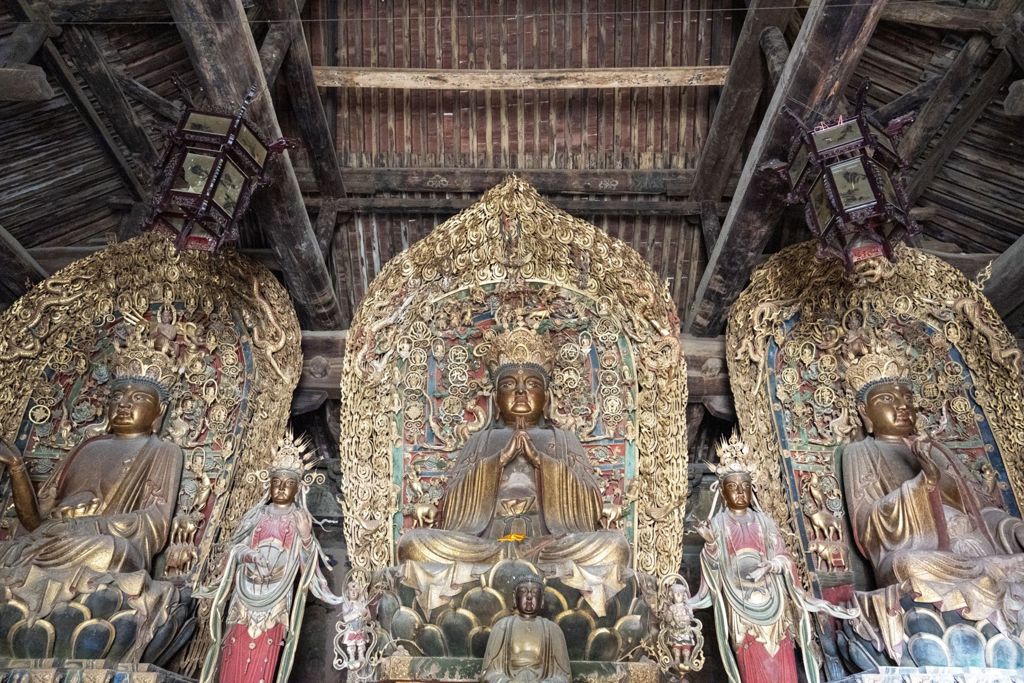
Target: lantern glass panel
229	187
208	123
798	165
194	173
836	136
819	202
852	183
251	144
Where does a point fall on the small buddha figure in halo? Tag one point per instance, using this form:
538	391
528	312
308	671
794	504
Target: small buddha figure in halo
761	609
108	507
525	647
520	488
274	555
929	527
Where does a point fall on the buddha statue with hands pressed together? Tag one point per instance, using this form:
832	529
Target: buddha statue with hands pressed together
928	526
521	488
108	508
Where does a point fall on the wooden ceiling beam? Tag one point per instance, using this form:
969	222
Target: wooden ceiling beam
675	182
20	269
103	11
223	53
944	17
573	205
518	79
275	45
308	110
22	45
24	83
738	100
950	90
907	102
832	38
53	62
81	46
1006	286
970	110
149	99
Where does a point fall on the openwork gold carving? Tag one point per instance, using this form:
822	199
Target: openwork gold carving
804	337
239	344
415	383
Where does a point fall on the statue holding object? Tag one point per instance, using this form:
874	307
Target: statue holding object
106	511
761	610
526	647
274	560
523	489
929	527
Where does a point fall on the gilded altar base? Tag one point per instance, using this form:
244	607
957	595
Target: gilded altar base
467	670
83	671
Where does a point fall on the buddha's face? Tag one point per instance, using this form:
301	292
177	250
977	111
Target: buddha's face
521	396
889	411
283	488
528	598
134	408
736	490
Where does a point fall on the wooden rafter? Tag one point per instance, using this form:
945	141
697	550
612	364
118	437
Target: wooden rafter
80	45
945	17
832	37
509	79
1006	286
55	65
146	97
970	110
951	89
738	100
20	81
308	110
223	53
20	267
100	11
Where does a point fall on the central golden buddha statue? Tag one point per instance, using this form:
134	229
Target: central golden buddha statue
108	508
519	489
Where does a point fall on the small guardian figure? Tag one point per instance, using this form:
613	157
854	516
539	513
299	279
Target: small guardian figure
761	609
526	647
354	628
274	560
680	633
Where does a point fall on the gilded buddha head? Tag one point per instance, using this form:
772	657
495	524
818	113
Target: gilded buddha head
737	490
521	360
284	486
135	408
529	597
885	397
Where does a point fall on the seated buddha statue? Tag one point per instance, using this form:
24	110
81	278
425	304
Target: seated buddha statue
927	524
108	508
521	488
526	647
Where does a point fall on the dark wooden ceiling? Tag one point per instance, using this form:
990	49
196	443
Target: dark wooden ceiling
631	159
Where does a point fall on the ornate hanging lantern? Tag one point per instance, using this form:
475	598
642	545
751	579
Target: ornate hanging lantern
847	172
212	164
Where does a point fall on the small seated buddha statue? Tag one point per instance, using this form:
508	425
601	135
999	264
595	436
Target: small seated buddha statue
525	647
929	526
521	488
108	508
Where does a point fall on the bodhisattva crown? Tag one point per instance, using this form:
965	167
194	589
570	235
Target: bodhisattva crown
139	360
294	455
874	368
518	347
733	457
